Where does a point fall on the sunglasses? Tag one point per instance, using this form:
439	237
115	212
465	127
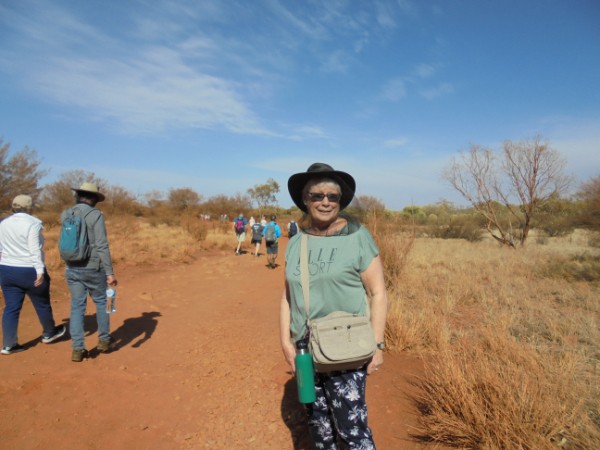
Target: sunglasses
319	197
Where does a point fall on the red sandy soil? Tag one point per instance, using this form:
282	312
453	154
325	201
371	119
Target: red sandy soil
197	365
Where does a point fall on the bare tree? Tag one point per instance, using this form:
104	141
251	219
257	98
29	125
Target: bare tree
508	191
19	174
264	194
535	175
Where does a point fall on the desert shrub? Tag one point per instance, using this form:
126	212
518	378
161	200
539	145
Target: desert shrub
583	267
495	393
196	227
594	240
462	226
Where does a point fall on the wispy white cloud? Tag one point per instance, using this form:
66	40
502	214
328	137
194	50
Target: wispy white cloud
145	89
309	132
337	62
394	90
437	91
425	70
395	143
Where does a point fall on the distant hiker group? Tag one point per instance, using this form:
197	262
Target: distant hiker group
269	231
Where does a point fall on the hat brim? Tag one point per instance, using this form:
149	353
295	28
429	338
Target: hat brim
100	196
297	182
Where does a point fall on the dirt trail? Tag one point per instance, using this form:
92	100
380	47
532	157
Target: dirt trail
197	365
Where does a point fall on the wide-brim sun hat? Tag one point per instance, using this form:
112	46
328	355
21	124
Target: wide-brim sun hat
297	182
90	188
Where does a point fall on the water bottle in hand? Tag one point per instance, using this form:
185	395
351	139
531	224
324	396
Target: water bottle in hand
111	300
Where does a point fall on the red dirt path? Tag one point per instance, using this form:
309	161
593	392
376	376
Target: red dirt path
197	365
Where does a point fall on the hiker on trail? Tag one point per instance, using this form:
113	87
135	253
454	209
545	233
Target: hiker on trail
263	221
272	233
345	270
251	221
239	227
90	275
256	230
23	272
292	228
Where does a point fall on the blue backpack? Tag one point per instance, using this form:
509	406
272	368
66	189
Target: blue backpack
73	243
270	234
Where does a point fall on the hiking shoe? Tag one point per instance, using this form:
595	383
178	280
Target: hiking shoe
104	345
58	333
78	354
14	349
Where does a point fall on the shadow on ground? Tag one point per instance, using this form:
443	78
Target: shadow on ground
294	416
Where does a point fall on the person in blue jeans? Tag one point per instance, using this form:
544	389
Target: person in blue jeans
23	272
91	276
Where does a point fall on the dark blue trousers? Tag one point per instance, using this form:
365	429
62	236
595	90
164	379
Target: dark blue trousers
16	282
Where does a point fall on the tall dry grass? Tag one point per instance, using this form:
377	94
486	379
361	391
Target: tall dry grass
511	344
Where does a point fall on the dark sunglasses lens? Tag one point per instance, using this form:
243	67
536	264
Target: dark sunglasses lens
318	197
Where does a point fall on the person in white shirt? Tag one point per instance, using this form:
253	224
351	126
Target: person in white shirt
22	271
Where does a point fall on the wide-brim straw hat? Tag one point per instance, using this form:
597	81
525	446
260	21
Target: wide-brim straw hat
90	188
297	182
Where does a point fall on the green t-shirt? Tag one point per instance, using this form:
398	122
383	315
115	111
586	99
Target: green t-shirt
335	264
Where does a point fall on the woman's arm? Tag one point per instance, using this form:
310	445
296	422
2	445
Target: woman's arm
284	331
374	283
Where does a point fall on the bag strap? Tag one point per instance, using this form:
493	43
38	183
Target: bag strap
304	274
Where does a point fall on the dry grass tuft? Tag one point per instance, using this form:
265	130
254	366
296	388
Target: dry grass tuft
494	393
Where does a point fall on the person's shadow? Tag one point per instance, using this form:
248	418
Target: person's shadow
138	329
294	416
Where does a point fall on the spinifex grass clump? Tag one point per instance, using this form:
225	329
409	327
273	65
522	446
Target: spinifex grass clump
494	393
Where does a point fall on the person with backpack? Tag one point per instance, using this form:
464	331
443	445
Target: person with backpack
292	228
256	228
83	245
271	233
23	272
239	226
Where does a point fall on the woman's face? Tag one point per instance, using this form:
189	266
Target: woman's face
321	202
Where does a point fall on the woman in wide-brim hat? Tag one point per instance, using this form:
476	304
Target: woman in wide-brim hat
345	268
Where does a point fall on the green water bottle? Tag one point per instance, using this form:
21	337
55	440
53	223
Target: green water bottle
305	374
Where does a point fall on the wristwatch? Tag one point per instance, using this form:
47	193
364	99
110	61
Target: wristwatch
381	345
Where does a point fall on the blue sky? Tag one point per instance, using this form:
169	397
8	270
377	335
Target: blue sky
221	95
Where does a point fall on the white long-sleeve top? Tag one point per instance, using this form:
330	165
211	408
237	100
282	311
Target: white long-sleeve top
21	242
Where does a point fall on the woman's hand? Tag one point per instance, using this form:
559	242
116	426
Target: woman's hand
290	355
39	279
375	363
